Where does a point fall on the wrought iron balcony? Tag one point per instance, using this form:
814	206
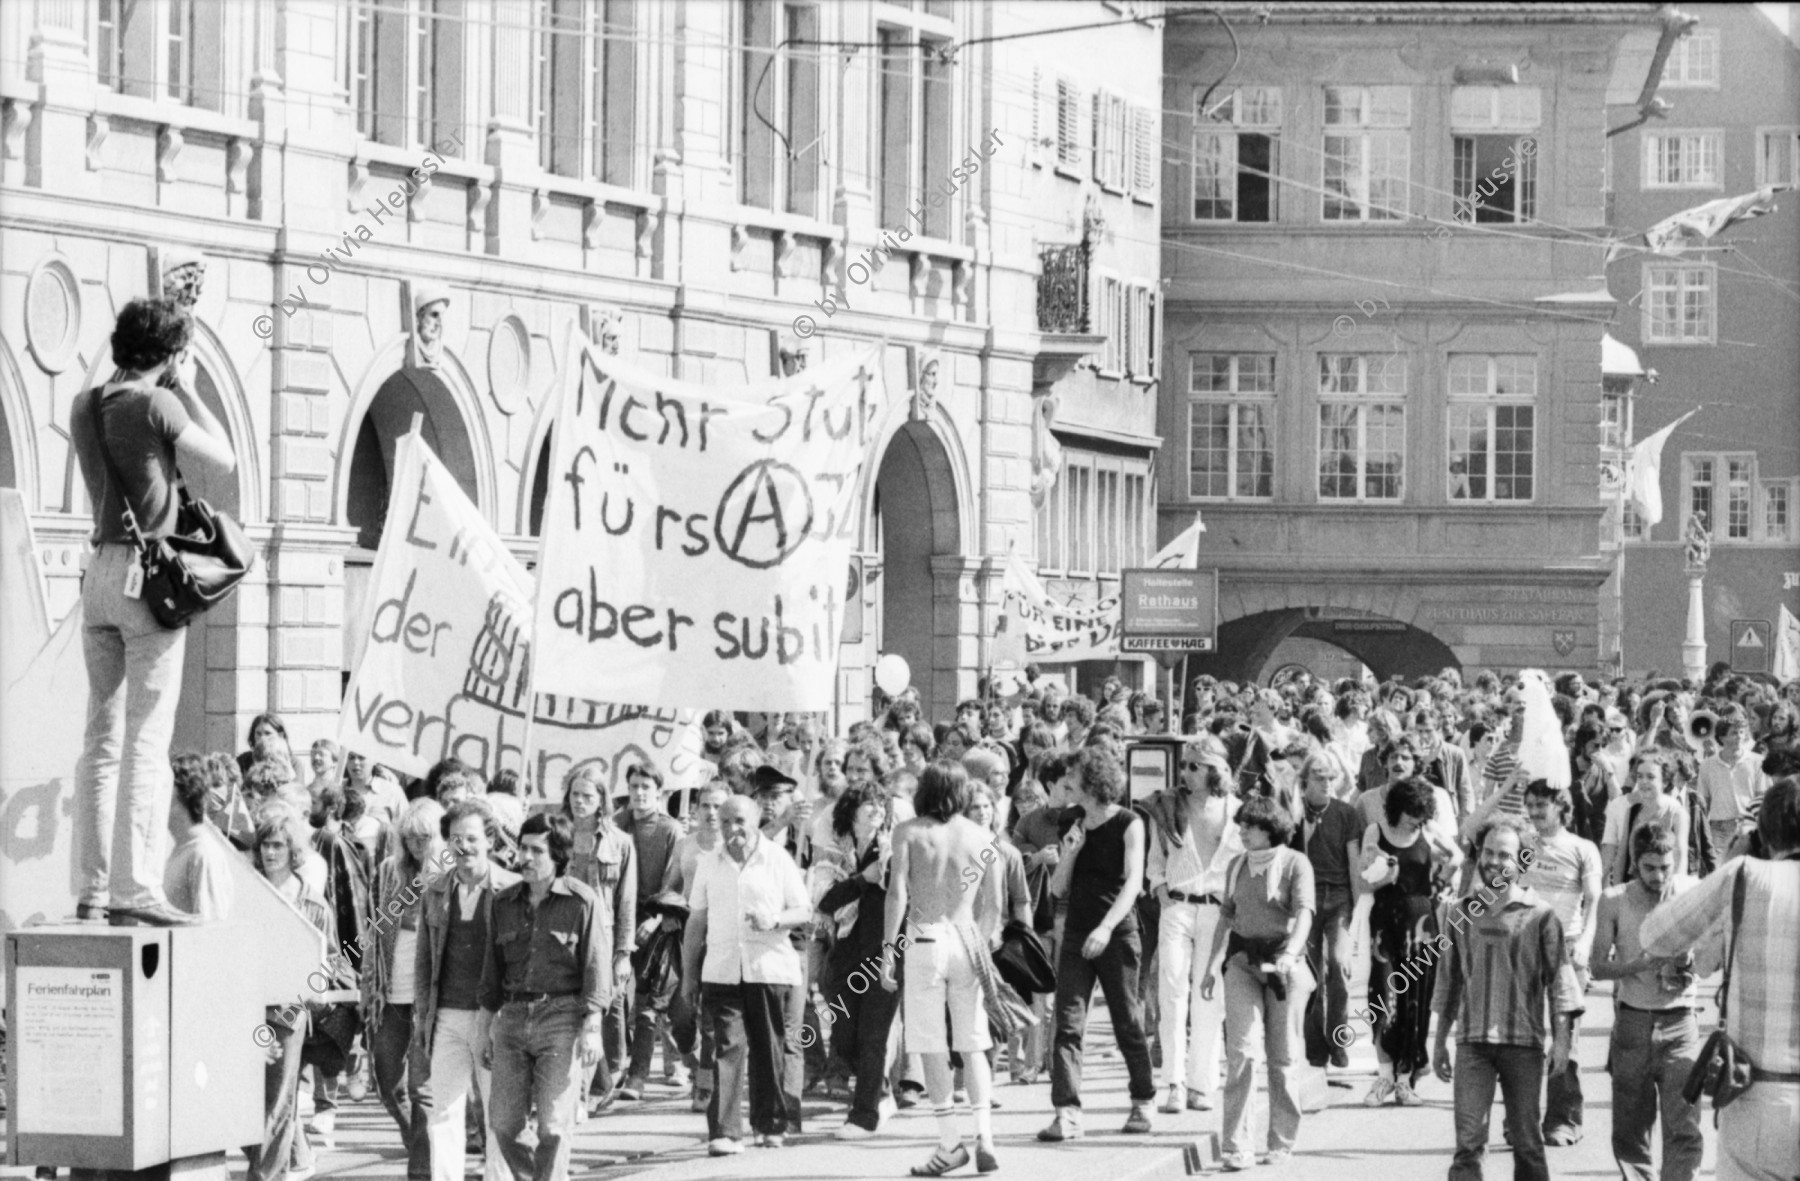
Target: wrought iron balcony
1063	289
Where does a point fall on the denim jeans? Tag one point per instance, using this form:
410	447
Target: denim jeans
650	1009
1520	1072
1189	1058
534	1066
282	1134
455	1070
403	1081
124	781
1116	968
1328	954
750	1029
1250	1004
1650	1059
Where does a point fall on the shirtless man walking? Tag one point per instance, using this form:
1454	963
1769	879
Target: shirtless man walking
936	857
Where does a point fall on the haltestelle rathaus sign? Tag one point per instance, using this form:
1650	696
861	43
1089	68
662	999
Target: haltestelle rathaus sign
1169	611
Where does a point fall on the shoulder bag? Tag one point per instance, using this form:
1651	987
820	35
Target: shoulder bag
198	565
1008	1013
1723	1071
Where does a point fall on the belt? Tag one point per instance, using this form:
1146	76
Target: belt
532	998
1196	899
1759	1075
1654	1012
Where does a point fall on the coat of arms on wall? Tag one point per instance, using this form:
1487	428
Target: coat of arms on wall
1563	640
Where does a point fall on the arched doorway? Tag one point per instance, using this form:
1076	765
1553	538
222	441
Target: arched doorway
916	519
404	395
1253	646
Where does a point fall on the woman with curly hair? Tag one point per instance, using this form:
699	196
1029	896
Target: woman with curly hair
1406	857
854	902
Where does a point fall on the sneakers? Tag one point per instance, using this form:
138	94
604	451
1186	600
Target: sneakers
770	1140
1380	1093
676	1075
854	1132
1236	1162
1563	1137
1066	1126
724	1147
1138	1122
632	1089
1175	1101
1199	1100
1279	1156
1405	1096
985	1161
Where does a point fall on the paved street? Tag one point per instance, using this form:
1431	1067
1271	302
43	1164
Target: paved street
660	1139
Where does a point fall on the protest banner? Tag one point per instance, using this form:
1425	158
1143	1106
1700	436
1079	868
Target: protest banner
695	538
446	657
1038	629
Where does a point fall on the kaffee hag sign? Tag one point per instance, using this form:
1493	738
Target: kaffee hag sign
1169	611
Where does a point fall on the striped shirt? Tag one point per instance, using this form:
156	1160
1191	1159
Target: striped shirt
1494	776
1505	971
1763	1009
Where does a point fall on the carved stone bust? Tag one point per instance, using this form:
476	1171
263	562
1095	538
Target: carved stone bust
430	303
925	383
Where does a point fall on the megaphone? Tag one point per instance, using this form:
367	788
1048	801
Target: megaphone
1701	725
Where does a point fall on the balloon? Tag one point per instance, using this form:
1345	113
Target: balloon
893	674
1006	684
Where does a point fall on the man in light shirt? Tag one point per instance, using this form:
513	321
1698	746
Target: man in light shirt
197	878
1731	781
736	955
1195	839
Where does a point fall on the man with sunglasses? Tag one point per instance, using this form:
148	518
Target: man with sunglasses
1195	838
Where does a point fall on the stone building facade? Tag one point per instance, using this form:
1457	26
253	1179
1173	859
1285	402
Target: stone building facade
1383	234
416	211
1717	325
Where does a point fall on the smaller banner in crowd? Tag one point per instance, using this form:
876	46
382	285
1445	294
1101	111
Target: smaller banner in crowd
1036	629
695	538
446	664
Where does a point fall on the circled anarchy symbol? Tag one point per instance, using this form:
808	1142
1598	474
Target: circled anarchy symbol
765	514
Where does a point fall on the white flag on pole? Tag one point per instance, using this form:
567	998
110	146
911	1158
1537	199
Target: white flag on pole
1183	553
1786	657
1643	472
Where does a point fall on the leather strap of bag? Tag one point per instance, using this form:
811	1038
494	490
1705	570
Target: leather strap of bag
112	474
1737	918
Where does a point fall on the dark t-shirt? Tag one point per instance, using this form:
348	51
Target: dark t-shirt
141	424
1328	850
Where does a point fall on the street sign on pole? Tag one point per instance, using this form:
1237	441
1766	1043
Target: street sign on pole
1750	645
1170	610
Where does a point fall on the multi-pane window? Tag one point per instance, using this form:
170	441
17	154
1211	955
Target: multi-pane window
915	128
1494	153
1777	511
1231	420
109	43
406	72
780	85
1680	304
1682	159
1094	520
1236	141
1367	152
1693	62
1492	425
178	43
1740	506
1362	427
1632	522
1125	313
1112	139
1777	156
586	64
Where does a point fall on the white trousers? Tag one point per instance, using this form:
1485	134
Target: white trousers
1184	938
454	1069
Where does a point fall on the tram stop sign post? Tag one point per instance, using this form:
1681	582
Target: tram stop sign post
1174	611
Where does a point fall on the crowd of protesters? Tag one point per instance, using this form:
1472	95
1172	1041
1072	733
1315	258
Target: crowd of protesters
913	911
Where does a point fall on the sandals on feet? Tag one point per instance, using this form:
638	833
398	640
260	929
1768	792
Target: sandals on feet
942	1162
